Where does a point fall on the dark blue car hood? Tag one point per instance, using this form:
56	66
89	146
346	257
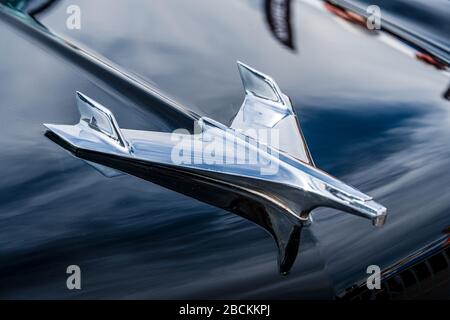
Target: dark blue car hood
374	109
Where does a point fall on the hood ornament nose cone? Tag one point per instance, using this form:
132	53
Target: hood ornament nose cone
259	167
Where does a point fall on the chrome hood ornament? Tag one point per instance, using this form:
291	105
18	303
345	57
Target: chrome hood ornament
259	167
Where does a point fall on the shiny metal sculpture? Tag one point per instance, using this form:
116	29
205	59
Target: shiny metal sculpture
277	191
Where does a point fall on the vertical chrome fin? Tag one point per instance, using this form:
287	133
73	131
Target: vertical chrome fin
267	115
97	130
100	120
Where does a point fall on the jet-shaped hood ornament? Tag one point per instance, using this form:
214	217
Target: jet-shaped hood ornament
259	167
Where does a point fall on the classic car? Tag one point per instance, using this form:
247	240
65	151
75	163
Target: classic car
108	108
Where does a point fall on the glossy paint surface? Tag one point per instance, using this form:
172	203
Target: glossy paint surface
425	19
373	116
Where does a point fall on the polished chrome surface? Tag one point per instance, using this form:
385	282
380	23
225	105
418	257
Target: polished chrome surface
292	186
100	122
266	107
281	185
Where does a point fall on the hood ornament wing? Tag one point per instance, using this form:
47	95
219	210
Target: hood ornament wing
241	168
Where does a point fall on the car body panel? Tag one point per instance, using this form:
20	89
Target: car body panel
373	116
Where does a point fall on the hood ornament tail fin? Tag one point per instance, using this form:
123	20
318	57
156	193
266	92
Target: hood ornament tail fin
266	107
274	185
